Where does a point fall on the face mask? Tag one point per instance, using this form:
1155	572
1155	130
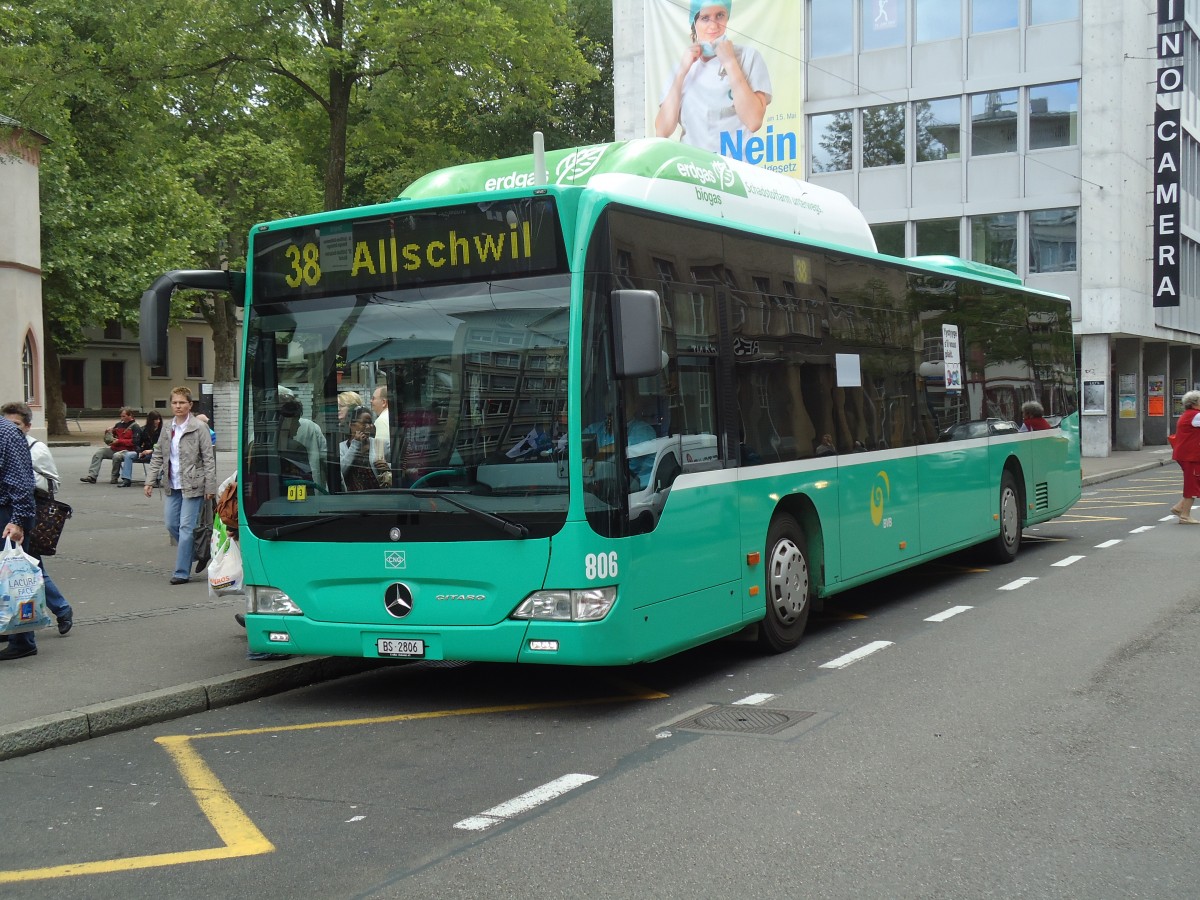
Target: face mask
709	48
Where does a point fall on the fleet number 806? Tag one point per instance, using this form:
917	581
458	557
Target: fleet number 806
600	566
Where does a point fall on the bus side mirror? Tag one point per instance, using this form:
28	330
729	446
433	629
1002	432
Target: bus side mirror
637	332
156	304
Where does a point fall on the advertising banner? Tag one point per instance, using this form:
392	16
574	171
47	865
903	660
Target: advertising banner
725	76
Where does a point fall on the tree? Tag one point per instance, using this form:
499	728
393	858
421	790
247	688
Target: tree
400	76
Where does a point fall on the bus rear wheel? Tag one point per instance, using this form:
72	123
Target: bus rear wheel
789	586
1002	549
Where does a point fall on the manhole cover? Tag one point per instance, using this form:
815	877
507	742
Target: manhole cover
742	720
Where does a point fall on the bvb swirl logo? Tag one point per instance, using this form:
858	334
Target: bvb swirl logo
881	493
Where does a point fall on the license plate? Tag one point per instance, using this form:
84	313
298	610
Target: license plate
394	647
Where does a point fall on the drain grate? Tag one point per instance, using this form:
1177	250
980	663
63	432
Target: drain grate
742	720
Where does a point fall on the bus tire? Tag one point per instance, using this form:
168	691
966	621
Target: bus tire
1002	549
789	586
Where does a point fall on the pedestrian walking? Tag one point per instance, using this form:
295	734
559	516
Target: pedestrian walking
17	510
184	459
1186	451
46	481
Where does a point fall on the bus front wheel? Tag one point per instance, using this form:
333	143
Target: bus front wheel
789	586
1004	546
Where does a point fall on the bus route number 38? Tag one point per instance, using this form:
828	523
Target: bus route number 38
600	566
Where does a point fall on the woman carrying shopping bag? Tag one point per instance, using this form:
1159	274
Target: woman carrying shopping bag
184	459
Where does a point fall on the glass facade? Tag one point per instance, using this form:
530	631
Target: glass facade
830	28
938	20
1054	115
1042	12
883	135
883	24
832	142
938	125
994	122
994	240
993	15
1053	240
937	237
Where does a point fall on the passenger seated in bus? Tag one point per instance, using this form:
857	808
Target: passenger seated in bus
826	447
1034	417
363	459
301	443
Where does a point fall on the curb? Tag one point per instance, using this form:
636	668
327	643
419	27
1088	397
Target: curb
1121	473
35	735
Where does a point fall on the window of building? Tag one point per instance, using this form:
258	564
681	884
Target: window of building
830	28
29	370
1052	240
889	238
994	122
993	15
1043	11
883	135
883	24
937	237
938	123
938	20
112	330
1054	115
832	141
994	240
195	357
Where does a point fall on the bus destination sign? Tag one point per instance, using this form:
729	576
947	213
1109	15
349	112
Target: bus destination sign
408	249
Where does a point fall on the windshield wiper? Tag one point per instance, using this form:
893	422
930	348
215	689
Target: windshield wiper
305	524
507	526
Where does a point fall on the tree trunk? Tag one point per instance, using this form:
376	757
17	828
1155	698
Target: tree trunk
339	116
56	413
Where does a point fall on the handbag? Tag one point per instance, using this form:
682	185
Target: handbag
47	528
22	591
202	536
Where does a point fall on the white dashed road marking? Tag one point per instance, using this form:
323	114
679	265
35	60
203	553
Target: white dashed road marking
753	699
855	655
1019	583
1068	561
946	614
523	803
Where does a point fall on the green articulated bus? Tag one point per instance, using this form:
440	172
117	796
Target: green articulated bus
638	397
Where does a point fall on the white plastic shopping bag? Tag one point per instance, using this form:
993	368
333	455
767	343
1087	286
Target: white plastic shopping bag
225	567
22	591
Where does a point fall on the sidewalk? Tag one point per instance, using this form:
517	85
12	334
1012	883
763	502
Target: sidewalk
142	651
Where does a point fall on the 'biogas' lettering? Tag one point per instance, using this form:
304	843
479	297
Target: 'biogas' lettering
771	147
387	255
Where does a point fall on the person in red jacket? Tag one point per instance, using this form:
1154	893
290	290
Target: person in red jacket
1033	417
1186	452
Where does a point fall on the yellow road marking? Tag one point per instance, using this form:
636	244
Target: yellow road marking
240	836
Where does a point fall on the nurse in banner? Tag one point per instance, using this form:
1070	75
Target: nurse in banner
718	87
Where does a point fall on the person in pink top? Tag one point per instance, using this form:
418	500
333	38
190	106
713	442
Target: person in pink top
1186	452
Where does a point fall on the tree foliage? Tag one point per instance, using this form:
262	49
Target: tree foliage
175	126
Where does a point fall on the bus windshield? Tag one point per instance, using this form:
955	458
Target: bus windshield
434	409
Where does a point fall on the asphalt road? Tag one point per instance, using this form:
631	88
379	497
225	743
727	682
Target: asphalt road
1023	731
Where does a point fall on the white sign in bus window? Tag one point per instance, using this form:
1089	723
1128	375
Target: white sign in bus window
849	369
951	358
337	247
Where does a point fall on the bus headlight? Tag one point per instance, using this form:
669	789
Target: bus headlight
271	601
587	605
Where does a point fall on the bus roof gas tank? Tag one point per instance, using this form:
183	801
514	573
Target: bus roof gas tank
657	172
